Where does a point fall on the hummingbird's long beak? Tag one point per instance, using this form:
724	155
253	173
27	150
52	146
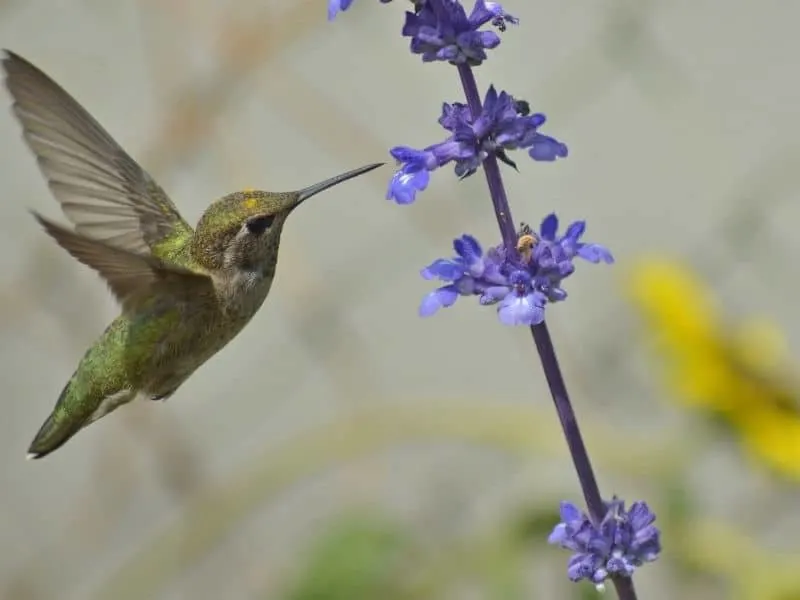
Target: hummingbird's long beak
315	189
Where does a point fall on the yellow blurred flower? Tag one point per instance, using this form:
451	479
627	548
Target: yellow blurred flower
737	372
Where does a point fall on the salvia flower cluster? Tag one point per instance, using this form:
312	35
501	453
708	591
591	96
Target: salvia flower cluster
622	541
442	30
520	280
504	124
524	273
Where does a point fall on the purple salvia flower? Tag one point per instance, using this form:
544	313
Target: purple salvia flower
623	541
500	127
405	184
414	174
441	30
503	125
468	273
522	283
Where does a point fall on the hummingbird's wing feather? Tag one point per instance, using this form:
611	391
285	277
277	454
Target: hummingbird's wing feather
133	278
102	190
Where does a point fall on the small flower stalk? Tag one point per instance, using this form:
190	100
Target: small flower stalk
525	273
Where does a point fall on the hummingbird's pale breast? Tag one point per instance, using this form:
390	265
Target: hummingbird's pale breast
202	331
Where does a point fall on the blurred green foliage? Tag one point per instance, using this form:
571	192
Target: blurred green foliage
358	558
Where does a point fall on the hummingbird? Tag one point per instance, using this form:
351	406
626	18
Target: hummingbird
183	293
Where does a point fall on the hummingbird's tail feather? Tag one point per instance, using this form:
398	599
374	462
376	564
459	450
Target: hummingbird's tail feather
54	432
49	439
64	422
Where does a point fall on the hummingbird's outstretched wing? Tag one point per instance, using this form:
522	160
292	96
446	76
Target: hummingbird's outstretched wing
133	278
102	190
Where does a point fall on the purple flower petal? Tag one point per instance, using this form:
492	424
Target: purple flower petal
454	115
404	186
640	515
494	294
547	149
334	6
581	566
595	253
450	150
556	294
549	227
443	297
570	512
446	270
516	309
647	544
413	159
468	248
559	535
575	231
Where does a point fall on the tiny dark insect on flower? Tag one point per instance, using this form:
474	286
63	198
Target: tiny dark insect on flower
522	107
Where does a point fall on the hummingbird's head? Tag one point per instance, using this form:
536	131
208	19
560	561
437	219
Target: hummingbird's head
243	230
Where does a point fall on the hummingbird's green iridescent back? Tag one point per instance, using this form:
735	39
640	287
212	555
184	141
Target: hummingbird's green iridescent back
184	294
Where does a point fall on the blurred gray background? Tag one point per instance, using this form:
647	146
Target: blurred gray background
681	118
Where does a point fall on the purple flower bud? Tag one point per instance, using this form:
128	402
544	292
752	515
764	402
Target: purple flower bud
623	541
334	6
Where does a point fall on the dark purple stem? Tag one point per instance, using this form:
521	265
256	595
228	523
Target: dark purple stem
544	344
569	424
490	165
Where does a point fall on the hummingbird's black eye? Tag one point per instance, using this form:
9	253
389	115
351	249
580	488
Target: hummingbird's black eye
258	225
